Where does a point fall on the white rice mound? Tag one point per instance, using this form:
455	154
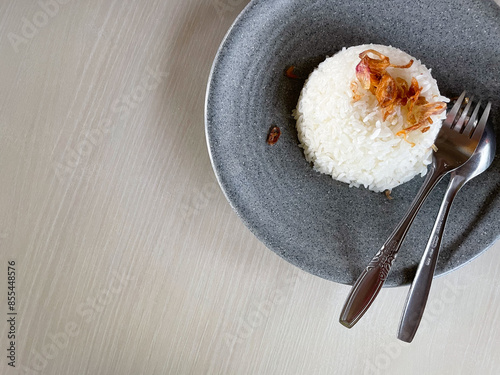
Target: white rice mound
349	140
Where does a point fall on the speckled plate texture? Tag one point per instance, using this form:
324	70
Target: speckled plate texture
309	219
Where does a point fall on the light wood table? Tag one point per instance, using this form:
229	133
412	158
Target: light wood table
128	258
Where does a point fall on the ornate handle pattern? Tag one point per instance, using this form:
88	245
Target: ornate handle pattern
371	280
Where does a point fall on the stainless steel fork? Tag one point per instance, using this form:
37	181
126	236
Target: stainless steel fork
453	149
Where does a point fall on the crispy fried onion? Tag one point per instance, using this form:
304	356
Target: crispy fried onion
391	92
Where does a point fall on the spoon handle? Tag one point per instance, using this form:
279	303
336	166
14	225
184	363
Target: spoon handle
419	290
372	278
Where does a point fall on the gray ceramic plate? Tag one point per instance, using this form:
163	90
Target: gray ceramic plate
312	221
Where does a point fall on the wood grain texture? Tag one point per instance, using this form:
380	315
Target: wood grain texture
130	260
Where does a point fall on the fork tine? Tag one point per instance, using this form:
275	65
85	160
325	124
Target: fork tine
469	128
478	131
450	118
460	123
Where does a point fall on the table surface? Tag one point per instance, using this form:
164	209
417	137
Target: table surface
128	258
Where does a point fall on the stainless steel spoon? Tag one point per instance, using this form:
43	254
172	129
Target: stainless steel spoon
419	290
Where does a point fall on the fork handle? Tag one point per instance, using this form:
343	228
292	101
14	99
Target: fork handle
372	278
421	285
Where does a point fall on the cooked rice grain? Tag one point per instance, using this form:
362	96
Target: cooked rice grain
349	140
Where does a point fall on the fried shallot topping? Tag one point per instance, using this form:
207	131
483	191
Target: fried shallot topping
372	75
290	73
388	194
274	135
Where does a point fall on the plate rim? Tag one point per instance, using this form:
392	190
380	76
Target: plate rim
210	82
